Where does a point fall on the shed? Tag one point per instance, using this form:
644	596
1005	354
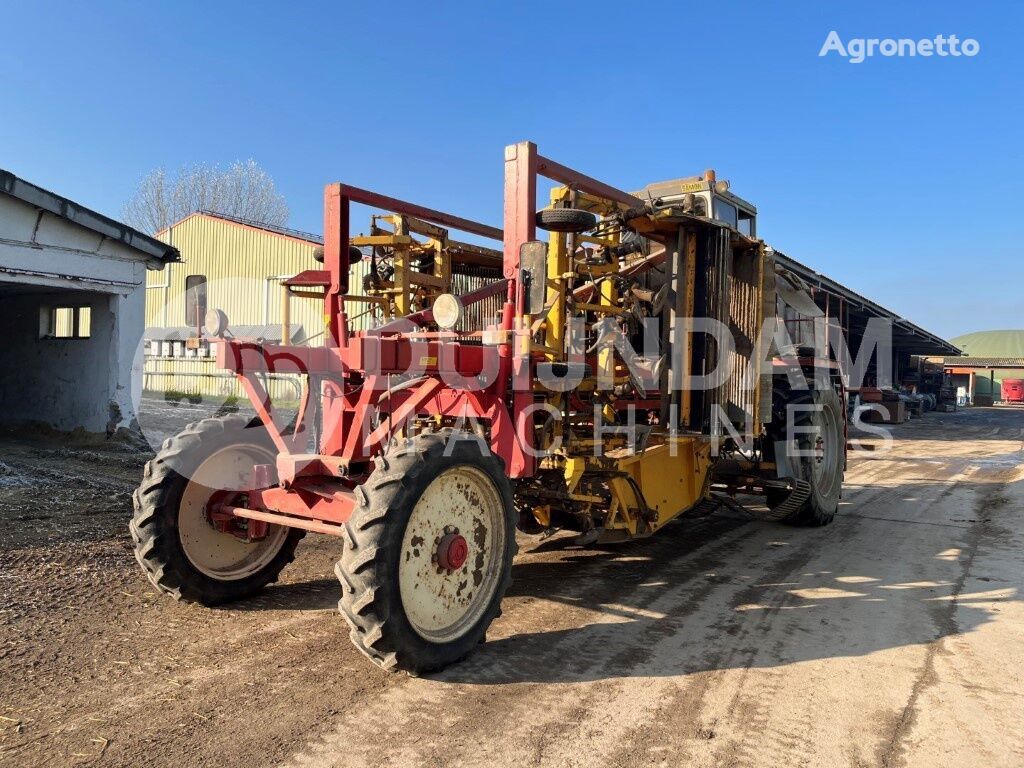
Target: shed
854	312
72	302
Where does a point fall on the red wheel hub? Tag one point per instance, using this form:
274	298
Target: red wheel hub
452	552
225	522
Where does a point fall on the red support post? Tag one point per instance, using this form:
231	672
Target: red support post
336	242
520	201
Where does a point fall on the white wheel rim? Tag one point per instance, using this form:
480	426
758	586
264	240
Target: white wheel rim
223	556
825	469
442	605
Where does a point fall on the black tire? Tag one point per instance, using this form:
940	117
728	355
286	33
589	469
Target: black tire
371	599
157	507
825	489
566	220
354	254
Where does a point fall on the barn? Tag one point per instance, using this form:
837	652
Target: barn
72	298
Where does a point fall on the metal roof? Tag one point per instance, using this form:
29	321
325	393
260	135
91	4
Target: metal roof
965	361
51	202
906	335
297	234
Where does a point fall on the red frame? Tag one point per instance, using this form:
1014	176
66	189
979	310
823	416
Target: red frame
317	491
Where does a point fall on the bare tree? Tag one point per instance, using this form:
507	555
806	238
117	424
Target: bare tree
243	189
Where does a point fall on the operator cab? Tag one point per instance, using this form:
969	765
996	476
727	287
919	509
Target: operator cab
704	196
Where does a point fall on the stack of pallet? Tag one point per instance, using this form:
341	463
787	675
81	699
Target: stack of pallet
893	408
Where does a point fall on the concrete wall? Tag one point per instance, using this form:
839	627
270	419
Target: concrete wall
42	248
90	383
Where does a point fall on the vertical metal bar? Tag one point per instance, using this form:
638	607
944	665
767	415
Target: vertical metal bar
402	263
675	332
689	287
520	206
608	296
442	261
286	315
558	265
336	237
721	270
520	201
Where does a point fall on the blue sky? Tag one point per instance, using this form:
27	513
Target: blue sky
900	177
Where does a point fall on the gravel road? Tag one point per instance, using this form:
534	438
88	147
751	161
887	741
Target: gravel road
893	637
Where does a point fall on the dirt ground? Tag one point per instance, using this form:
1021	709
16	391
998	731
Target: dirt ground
893	637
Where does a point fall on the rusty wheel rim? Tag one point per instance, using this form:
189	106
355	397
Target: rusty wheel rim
218	555
451	558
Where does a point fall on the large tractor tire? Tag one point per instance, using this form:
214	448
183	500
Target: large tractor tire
821	459
178	547
428	552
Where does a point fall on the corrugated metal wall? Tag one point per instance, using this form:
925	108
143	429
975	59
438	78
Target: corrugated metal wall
243	267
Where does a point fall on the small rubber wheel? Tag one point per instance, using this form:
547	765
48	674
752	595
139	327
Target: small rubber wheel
428	552
179	550
566	220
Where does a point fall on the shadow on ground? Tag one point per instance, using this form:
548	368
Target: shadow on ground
725	592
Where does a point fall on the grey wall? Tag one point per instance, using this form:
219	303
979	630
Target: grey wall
92	383
62	382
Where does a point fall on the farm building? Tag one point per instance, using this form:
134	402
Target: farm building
229	264
238	266
989	358
72	283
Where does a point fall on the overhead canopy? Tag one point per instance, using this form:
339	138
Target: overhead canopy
907	337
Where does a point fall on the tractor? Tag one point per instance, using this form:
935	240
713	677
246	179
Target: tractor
649	361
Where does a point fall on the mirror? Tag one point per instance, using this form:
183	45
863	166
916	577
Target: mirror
533	270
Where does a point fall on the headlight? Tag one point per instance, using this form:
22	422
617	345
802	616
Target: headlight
215	323
447	310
